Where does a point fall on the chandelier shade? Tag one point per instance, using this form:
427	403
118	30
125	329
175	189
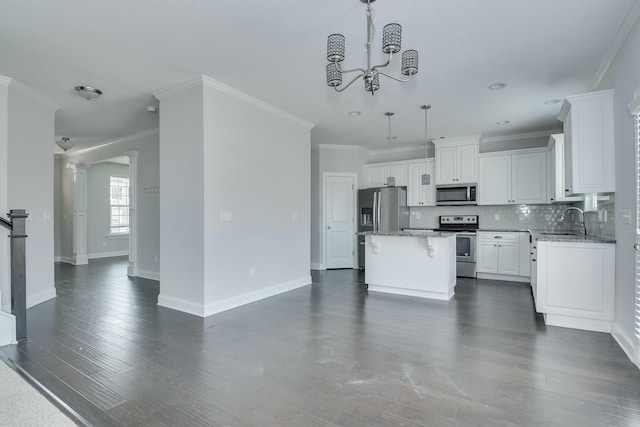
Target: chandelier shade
410	62
335	48
334	75
392	38
391	44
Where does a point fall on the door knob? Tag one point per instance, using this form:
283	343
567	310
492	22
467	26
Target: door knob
328	227
636	246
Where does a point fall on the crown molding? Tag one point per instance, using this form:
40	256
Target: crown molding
634	106
228	90
114	142
339	147
623	33
515	137
8	81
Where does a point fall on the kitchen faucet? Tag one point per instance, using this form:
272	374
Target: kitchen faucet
583	229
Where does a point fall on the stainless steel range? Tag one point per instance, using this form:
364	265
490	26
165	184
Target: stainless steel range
465	227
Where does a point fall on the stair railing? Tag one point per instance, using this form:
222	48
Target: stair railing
16	224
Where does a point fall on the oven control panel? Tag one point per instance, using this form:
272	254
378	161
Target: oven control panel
459	219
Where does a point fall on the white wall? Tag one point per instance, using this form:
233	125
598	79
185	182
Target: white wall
27	172
146	144
625	75
223	152
99	242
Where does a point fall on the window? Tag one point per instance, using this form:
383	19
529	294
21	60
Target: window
119	204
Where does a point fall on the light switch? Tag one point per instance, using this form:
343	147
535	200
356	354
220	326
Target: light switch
626	216
497	217
294	216
226	216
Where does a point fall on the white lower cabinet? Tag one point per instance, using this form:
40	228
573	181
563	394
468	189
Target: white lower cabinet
498	253
574	284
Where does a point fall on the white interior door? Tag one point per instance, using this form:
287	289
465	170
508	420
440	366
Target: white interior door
339	215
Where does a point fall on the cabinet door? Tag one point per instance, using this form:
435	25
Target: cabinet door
446	165
399	172
376	176
568	168
529	178
414	186
487	259
494	185
509	258
429	191
467	164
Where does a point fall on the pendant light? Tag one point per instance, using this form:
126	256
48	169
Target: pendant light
426	178
391	180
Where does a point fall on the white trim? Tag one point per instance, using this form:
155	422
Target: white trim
151	275
80	259
339	147
233	302
8	81
239	300
57	259
323	222
132	267
67	260
203	80
634	106
542	133
458	140
107	254
118	236
318	266
506	277
623	33
551	319
40	297
511	152
181	305
113	142
7	328
624	341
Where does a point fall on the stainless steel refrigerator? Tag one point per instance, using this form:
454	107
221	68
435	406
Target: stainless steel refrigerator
383	210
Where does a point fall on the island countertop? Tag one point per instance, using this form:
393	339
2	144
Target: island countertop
407	233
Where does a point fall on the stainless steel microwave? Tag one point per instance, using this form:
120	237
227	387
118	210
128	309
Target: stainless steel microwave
456	194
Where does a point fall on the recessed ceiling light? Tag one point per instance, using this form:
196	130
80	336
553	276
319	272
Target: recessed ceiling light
552	101
152	108
354	113
503	122
392	137
497	86
87	92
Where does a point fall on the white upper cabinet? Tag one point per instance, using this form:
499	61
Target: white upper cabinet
377	174
555	165
513	177
589	143
417	193
457	160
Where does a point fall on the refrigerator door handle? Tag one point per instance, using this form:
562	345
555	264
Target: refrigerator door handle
379	203
375	217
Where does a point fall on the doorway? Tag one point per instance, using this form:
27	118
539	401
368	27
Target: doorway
339	227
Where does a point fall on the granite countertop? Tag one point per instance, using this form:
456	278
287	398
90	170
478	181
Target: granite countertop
407	233
538	234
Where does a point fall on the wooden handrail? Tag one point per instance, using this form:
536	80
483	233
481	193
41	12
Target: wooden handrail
18	268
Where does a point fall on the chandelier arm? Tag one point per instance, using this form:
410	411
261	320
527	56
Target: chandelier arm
394	78
339	67
348	84
375	67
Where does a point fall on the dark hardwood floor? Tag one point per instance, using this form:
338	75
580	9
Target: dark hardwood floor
329	354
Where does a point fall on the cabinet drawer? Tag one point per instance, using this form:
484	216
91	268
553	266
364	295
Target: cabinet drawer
503	237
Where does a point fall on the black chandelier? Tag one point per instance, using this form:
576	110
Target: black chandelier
391	43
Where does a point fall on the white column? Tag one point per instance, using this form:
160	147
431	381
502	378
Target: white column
132	268
80	214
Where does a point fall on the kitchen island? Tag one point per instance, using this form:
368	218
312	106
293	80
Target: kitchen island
411	263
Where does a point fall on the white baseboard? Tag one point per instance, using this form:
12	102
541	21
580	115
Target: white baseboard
107	254
57	259
82	260
318	266
40	297
67	260
181	305
505	277
233	302
151	275
7	328
624	341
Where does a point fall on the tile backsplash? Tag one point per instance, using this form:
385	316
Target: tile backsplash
532	217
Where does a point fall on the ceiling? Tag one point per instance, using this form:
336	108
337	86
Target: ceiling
276	51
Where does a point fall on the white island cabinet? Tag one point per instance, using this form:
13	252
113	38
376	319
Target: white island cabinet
421	265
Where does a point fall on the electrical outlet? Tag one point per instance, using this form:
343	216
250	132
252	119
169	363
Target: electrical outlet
626	216
547	217
226	216
497	217
294	216
104	244
252	272
521	217
155	257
